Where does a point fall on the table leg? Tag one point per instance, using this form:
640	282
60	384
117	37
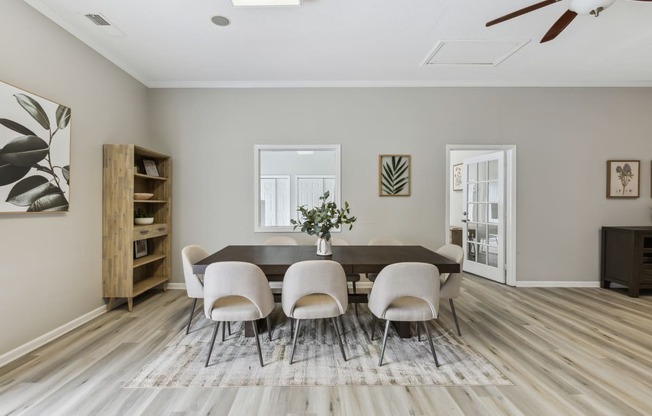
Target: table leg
403	329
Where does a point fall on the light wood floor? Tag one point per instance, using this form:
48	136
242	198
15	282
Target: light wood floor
568	352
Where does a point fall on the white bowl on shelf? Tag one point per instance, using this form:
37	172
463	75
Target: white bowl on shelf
142	196
144	221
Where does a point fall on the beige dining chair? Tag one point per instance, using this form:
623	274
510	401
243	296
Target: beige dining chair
314	289
405	292
353	278
194	287
382	242
281	241
237	291
451	282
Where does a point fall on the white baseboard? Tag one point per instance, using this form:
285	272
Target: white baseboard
557	283
52	335
176	286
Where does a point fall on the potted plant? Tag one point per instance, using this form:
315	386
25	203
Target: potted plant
321	220
142	217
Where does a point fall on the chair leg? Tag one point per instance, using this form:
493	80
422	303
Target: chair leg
229	326
260	354
223	331
355	305
291	328
192	312
373	326
457	324
418	332
269	327
432	347
217	325
339	338
294	343
382	351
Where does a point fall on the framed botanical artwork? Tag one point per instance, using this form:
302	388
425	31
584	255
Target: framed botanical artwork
150	167
623	178
457	177
34	153
140	248
394	175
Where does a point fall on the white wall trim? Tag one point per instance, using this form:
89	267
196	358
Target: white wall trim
556	283
50	336
176	286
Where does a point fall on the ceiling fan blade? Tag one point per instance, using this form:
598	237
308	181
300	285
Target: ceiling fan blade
524	10
559	26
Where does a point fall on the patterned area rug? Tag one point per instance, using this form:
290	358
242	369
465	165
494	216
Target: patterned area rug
317	361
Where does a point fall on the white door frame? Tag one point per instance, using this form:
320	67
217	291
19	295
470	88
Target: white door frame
510	200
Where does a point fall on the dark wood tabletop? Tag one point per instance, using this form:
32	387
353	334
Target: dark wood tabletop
275	260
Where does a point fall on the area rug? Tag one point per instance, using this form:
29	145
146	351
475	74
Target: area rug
317	361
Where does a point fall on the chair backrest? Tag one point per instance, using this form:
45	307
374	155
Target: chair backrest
311	277
452	281
236	278
190	255
398	280
281	241
385	242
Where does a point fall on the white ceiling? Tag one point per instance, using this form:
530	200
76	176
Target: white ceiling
173	43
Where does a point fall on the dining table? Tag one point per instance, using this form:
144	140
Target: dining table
275	260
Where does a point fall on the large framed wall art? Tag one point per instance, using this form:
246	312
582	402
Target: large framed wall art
394	175
34	153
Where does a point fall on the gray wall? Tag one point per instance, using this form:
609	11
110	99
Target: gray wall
51	264
564	137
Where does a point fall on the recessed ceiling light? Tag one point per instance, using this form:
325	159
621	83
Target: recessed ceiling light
238	3
220	21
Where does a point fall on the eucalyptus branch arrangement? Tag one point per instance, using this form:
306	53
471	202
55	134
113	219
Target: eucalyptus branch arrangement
29	151
321	220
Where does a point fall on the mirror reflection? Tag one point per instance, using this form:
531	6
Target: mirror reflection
292	176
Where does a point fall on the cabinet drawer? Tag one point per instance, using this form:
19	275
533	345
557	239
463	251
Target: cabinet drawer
149	231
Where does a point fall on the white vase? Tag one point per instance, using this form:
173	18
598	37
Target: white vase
324	247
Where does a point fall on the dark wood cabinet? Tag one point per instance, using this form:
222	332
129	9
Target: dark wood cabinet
626	258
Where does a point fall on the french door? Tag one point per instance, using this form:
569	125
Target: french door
484	216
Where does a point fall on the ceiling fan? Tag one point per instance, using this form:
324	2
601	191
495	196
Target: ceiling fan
585	7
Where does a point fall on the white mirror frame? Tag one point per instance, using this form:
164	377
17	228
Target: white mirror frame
258	148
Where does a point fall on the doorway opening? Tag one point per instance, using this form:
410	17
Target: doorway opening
481	208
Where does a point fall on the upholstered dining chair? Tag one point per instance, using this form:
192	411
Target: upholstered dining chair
314	289
451	282
382	242
194	287
281	241
405	292
237	291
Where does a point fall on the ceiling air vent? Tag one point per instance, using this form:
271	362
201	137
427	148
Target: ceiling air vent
97	19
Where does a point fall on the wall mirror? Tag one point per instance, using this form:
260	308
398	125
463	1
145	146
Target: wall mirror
288	176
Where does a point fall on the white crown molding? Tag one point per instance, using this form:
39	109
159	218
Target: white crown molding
394	84
50	336
557	283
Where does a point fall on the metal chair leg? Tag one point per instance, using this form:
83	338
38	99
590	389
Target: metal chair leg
418	332
355	305
373	326
382	352
294	343
432	347
457	324
229	326
291	328
192	312
269	327
217	325
223	331
260	354
339	338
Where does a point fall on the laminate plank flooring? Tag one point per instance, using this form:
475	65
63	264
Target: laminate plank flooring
567	351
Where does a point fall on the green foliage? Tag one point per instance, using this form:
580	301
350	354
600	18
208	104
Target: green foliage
141	213
321	220
395	175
